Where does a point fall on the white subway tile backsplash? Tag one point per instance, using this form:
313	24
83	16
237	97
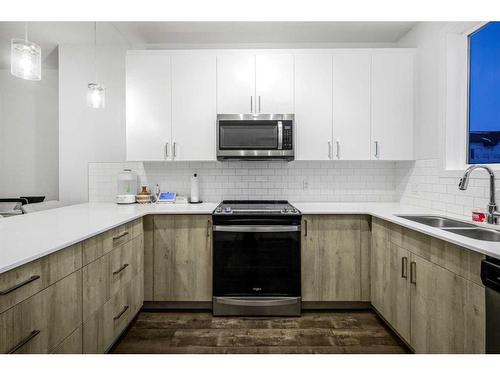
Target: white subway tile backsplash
416	180
340	181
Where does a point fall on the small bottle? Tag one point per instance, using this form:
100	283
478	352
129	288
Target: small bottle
478	216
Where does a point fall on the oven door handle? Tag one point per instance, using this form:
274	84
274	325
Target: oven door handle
256	228
284	301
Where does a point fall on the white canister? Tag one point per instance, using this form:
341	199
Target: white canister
127	186
195	189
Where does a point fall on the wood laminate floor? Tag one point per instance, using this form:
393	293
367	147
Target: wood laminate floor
313	332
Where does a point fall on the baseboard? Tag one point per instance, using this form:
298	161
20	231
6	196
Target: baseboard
177	305
333	305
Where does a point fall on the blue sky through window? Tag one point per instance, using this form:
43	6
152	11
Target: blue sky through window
484	94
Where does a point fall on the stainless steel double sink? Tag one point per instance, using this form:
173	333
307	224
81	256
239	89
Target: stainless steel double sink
455	226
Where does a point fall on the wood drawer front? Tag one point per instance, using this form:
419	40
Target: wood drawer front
41	322
108	322
96	247
25	281
71	344
105	276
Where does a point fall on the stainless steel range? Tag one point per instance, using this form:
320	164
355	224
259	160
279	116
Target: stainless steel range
256	261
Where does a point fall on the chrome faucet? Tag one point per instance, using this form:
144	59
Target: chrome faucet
493	213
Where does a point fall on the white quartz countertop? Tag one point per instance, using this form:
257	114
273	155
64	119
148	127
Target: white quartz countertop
25	238
389	212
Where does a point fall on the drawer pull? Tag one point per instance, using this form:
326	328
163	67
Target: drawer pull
305	228
120	235
125	308
413	273
404	267
24	341
21	284
120	269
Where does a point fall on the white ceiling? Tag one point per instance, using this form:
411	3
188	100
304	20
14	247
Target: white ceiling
263	32
185	34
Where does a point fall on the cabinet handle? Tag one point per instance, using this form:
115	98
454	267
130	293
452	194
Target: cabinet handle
123	234
376	150
305	228
338	149
413	273
208	228
23	342
175	149
251	104
125	308
329	150
167	150
17	286
259	103
120	269
404	267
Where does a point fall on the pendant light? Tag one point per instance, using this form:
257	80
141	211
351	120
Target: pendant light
96	93
25	58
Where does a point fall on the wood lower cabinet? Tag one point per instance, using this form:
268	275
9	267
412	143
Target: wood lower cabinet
25	281
427	290
71	344
104	326
182	266
40	323
447	311
334	249
113	293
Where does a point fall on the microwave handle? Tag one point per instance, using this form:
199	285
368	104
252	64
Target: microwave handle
280	135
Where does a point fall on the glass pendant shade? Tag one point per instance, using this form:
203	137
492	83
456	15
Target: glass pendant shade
96	95
26	60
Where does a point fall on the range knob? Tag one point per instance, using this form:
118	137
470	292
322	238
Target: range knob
218	209
227	210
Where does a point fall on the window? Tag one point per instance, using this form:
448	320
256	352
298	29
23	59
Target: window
484	95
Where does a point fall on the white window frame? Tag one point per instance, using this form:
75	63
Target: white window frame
455	99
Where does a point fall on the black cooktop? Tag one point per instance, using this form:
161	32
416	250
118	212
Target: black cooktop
255	207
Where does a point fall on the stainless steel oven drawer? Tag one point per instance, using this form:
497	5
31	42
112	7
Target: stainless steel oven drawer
256	306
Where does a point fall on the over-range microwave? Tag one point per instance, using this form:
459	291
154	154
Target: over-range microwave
255	136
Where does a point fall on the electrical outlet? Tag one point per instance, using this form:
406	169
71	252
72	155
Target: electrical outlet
305	184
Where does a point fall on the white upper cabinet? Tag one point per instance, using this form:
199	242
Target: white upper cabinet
148	106
274	83
392	105
236	83
313	106
193	107
351	106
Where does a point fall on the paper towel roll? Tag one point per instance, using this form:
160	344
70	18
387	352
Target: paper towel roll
195	190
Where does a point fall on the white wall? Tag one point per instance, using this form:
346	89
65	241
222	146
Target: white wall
85	134
439	121
29	135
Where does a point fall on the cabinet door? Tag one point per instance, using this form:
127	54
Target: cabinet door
313	106
351	106
392	106
182	258
398	291
236	83
390	291
274	83
331	258
447	311
193	107
148	107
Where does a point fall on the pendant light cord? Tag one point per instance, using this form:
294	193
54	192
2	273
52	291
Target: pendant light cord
95	52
